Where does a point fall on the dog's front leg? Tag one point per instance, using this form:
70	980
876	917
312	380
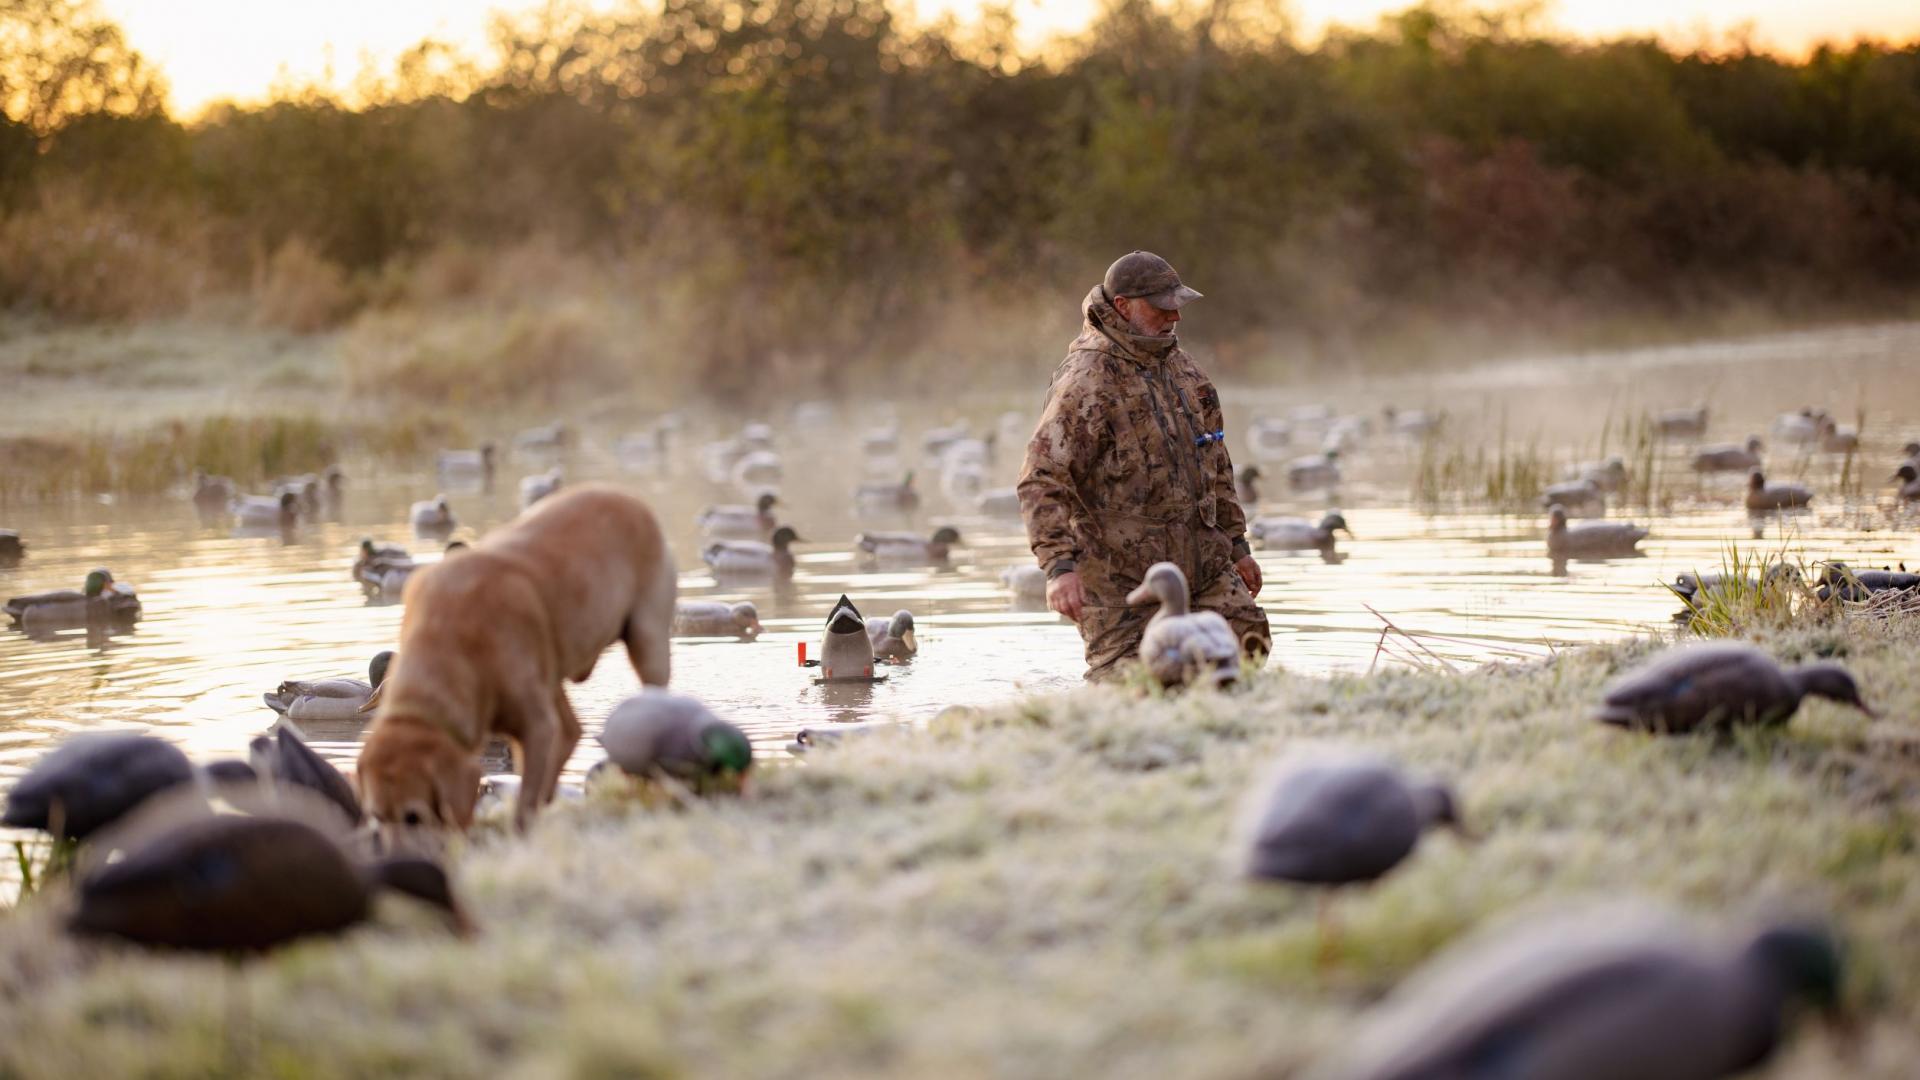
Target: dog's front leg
539	760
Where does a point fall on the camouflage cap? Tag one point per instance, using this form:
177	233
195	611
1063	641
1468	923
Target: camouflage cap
1148	276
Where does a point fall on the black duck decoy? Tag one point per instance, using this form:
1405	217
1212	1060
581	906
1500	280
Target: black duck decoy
92	780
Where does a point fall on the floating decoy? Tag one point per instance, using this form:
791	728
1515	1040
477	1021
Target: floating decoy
1692	588
1908	477
644	452
707	618
814	738
752	559
1246	484
1609	475
962	476
212	494
906	549
230	883
1320	470
1412	423
658	732
999	502
12	550
1310	413
1268	438
893	638
1342	820
466	466
284	758
1593	540
91	780
99	600
1717	685
1836	579
548	441
1182	646
1584	996
881	442
757	469
373	560
1726	457
540	485
328	699
1347	433
1578	497
1839	438
739	522
1026	582
280	511
846	653
1298	534
898	498
432	517
934	443
1764	496
1799	427
305	490
1681	423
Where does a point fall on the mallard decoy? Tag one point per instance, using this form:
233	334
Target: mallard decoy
1268	438
1342	820
658	732
284	758
432	517
1413	423
643	452
1799	427
1692	588
229	883
1762	496
906	549
1593	540
1347	433
280	511
12	550
1726	457
1315	471
1182	646
539	486
1836	579
757	469
93	779
999	502
846	653
1026	582
1609	475
548	441
1838	438
1298	534
1246	484
466	466
305	490
898	498
1681	423
212	494
100	599
962	476
739	522
372	558
1718	685
752	559
1581	995
893	638
1908	477
881	442
328	699
934	443
707	618
1579	497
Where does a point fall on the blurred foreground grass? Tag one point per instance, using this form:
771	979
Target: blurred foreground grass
1048	889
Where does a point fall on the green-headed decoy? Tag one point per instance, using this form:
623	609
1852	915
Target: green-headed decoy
907	549
100	599
736	522
328	699
659	732
750	559
893	638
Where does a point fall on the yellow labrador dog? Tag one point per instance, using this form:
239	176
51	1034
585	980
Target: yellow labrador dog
487	639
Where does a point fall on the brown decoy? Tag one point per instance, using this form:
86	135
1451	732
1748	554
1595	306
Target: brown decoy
1717	685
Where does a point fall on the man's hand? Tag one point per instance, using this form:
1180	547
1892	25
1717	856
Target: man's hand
1065	596
1248	569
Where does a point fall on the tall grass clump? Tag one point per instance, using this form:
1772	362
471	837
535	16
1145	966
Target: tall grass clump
1507	479
1753	591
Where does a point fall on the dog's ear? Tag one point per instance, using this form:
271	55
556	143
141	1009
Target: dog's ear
456	788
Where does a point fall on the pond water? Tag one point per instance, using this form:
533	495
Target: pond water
228	617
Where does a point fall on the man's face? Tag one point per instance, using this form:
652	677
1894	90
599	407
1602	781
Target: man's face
1145	319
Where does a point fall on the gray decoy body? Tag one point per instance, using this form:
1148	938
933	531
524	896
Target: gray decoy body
1594	998
1764	496
1320	470
99	600
734	522
1578	497
1839	438
229	883
91	780
540	485
1800	427
545	442
846	653
467	466
1025	582
328	699
12	550
1609	475
1180	646
1342	821
1246	484
1298	534
1591	540
1268	438
659	732
374	560
1836	579
1908	477
907	549
893	638
710	618
1691	587
1411	423
999	502
1682	423
752	559
1727	457
887	498
1716	685
280	511
212	494
432	517
284	758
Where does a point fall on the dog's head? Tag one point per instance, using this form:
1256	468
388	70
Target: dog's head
414	775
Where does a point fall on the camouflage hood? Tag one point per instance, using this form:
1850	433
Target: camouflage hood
1103	318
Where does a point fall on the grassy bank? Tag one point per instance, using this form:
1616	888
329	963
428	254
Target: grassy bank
1047	889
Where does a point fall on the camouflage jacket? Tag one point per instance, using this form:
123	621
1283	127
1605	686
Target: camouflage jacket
1125	468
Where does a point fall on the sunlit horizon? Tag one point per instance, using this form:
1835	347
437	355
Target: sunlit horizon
235	50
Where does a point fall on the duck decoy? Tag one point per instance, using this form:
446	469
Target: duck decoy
212	494
757	469
549	441
328	699
1838	438
1593	540
893	638
1298	534
962	475
846	653
1268	439
305	490
1800	427
999	502
899	498
707	618
1412	423
752	559
432	517
906	549
1681	423
1585	996
1718	685
1347	433
231	883
643	452
1181	646
1609	475
1908	477
739	522
466	467
934	442
1342	820
1025	582
1727	457
658	732
100	600
12	550
1246	484
280	511
539	486
372	557
1837	580
91	780
1693	588
1316	471
1579	497
1763	496
881	442
284	758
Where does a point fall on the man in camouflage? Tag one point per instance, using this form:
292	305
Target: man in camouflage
1128	467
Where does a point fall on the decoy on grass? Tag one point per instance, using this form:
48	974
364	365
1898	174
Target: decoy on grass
1839	580
93	779
284	758
660	733
1719	685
